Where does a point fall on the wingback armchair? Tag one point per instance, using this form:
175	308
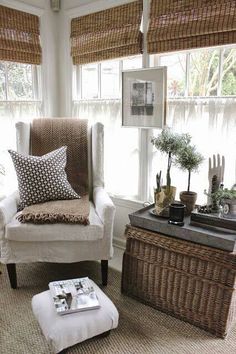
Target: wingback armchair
60	243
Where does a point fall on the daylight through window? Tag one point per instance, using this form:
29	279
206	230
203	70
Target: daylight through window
201	87
20	100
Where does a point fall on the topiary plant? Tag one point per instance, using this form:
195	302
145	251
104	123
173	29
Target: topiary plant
224	194
189	159
170	143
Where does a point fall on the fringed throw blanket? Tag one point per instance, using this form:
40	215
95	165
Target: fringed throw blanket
48	134
74	211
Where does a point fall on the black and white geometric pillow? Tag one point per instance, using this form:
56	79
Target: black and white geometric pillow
42	178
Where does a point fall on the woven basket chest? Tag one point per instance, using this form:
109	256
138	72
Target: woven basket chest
193	282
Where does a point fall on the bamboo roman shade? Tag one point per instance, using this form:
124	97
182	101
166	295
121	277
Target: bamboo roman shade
107	34
19	36
185	24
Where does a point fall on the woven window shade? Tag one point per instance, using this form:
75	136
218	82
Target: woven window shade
108	34
185	24
19	36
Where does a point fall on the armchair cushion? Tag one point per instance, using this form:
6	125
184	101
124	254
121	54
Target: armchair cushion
16	231
42	178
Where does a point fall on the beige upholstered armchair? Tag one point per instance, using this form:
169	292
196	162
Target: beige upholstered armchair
60	243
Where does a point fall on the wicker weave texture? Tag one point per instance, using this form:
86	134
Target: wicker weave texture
177	25
19	39
190	281
107	34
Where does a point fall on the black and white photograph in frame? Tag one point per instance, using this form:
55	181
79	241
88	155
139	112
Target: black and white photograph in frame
144	97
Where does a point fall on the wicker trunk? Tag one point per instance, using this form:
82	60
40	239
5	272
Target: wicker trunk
192	282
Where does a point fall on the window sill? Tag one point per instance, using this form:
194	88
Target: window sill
126	203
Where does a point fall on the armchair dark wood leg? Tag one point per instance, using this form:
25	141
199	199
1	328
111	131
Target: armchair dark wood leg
11	269
104	268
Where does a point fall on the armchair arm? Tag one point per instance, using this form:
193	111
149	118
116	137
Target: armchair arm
8	208
104	208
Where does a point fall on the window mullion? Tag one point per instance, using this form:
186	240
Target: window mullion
143	168
144	133
219	86
99	80
80	87
120	77
187	75
35	83
79	82
6	81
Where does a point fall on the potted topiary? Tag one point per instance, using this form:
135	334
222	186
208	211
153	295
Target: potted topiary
189	159
169	143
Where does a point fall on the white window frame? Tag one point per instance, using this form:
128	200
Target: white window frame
36	85
145	135
156	58
77	78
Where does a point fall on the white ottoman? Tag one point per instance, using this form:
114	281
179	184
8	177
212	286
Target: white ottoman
62	332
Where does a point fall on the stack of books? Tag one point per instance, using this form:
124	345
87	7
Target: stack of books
73	295
213	221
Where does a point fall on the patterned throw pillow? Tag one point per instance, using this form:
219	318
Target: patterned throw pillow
42	178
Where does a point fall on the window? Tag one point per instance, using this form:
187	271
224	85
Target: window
97	92
19	82
110	85
228	76
176	64
201	101
200	73
20	99
102	80
89	81
203	73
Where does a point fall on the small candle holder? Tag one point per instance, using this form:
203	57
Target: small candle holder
176	214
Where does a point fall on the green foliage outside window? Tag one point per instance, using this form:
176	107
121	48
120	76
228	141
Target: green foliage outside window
205	77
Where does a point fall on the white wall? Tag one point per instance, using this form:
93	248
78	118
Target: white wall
123	209
50	66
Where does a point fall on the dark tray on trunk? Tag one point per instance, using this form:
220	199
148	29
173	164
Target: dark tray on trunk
219	238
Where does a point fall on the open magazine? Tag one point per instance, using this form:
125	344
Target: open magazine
73	295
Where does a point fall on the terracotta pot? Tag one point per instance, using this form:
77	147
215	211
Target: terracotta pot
189	199
163	199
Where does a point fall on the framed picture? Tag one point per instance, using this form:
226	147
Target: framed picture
144	97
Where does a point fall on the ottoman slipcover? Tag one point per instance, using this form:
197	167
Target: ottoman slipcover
64	331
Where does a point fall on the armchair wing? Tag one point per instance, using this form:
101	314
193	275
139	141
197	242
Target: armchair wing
105	210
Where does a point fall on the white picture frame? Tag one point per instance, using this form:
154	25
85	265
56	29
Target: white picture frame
144	97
